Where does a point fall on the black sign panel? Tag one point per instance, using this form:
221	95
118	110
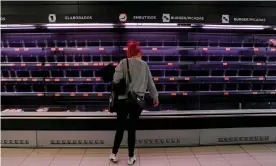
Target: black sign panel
137	13
252	20
57	18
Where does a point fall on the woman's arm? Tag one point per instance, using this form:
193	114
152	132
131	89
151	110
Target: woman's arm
119	73
151	87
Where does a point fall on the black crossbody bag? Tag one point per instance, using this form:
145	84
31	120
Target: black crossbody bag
133	98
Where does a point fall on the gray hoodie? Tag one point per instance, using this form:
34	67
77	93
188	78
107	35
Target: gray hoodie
140	75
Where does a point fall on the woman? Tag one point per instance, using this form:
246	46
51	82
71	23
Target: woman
127	113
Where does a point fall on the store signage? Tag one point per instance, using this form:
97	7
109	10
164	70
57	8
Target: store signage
158	141
145	138
144	17
129	17
141	18
225	19
78	18
237	135
244	139
77	142
4	19
18	138
153	138
52	18
243	20
249	19
123	17
187	18
15	141
75	138
169	13
166	17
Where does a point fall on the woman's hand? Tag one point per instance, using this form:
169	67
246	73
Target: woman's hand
155	103
272	42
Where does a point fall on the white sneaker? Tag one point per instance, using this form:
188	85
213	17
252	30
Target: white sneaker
131	160
113	158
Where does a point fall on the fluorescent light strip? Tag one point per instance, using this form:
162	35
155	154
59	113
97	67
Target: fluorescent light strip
155	25
237	26
135	25
20	28
241	27
17	26
126	25
151	24
78	26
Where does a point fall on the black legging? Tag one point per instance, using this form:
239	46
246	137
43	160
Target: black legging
127	116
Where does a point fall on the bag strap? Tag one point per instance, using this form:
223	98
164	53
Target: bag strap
128	72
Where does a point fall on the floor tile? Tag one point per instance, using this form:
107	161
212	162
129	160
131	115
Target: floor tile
270	162
67	163
154	161
188	158
10	154
244	163
245	155
46	151
208	150
230	149
19	150
10	162
237	156
72	151
215	163
36	162
13	158
68	158
179	160
97	161
214	157
182	162
254	148
178	151
96	155
98	150
263	155
271	147
34	154
152	152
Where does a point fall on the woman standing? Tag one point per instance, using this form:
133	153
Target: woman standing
128	113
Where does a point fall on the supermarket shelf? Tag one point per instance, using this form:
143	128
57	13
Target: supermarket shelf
156	79
173	93
107	50
211	64
85	64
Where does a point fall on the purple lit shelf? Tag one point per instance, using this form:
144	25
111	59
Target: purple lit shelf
105	95
168	79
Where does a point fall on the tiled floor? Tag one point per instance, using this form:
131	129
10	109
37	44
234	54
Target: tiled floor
234	155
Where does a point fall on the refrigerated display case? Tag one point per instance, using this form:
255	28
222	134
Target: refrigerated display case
190	65
209	76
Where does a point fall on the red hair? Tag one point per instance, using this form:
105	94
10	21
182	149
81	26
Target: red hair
133	49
